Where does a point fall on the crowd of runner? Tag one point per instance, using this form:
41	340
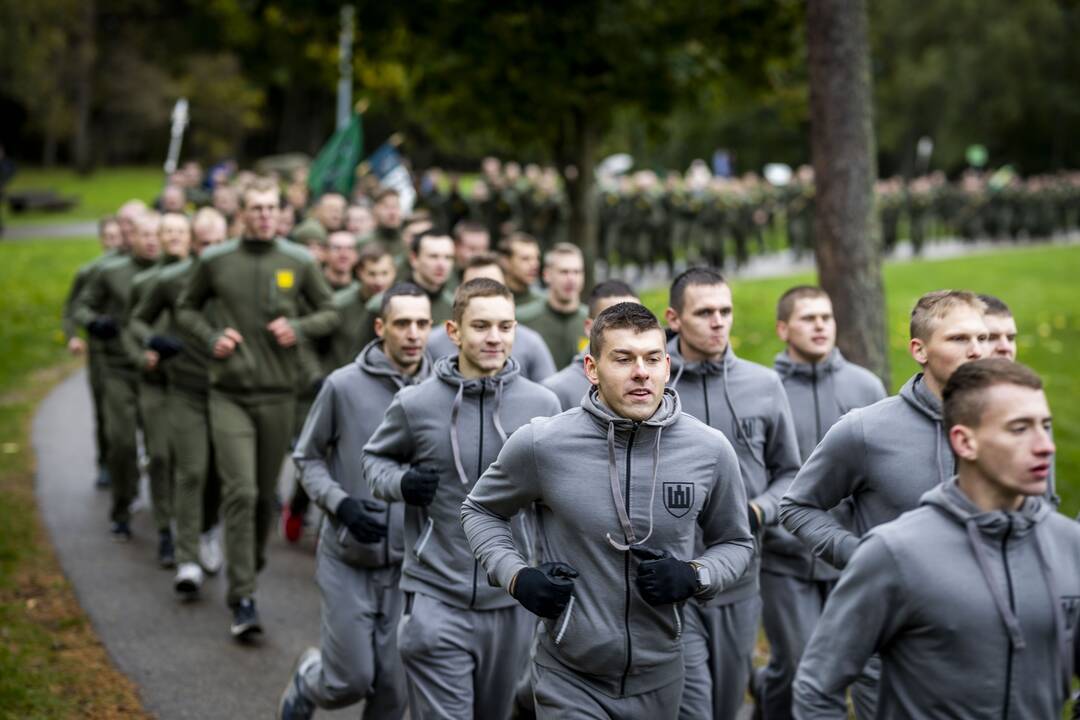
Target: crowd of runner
535	501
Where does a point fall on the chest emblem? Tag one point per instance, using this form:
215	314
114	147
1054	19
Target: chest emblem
285	279
678	498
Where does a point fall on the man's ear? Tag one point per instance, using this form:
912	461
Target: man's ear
917	348
453	333
782	331
672	319
590	369
380	327
963	442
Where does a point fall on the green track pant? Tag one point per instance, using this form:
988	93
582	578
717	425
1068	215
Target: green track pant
154	420
121	400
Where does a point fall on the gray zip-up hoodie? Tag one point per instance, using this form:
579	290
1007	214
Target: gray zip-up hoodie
529	350
570	383
598	477
747	403
883	457
974	614
329	451
456	428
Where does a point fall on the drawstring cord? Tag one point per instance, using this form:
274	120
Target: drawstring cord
617	495
1012	625
455	411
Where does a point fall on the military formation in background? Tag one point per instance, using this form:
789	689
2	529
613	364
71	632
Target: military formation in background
536	501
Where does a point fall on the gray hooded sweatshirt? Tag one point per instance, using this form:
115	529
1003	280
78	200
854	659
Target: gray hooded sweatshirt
570	383
883	457
601	479
455	427
747	403
329	454
529	350
974	614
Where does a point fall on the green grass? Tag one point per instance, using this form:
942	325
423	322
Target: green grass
1038	283
100	193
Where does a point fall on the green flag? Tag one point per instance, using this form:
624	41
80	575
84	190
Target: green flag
334	169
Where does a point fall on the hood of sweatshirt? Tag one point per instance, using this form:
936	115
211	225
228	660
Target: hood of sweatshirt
373	360
705	367
787	367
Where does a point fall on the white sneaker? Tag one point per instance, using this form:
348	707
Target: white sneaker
189	578
210	555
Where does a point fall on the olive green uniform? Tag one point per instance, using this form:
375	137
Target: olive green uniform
253	391
106	294
563	332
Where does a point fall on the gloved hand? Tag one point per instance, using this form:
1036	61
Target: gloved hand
103	327
545	589
165	346
663	579
359	518
418	486
755	523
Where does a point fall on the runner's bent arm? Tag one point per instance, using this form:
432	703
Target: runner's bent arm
389	452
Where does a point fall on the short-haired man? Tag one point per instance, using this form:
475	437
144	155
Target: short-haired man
360	222
571	383
529	348
341	258
112	244
431	260
1002	327
972	599
463	642
879	460
359	550
746	402
209	227
328	215
821	386
387	212
359	304
521	262
471	239
560	317
627	486
254	375
101	308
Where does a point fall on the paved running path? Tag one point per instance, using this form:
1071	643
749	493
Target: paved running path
67	229
180	655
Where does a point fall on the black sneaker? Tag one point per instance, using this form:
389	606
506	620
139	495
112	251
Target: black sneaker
245	624
121	531
166	553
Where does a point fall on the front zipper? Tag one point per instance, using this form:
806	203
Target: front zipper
626	567
424	537
705	392
566	621
1012	607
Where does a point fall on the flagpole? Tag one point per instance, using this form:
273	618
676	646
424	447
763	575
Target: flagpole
345	70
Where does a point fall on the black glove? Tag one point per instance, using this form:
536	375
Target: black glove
418	486
755	524
546	589
663	579
103	327
360	521
165	346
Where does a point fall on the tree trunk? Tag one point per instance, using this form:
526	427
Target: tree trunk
86	56
582	224
848	245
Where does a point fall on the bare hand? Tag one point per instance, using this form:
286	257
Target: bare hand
151	360
76	346
283	332
226	344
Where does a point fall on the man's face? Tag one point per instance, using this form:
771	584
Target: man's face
261	213
1002	337
485	335
208	234
565	278
432	265
704	325
630	371
1011	447
359	221
176	235
341	252
111	237
377	276
147	245
957	338
331	212
470	245
405	329
523	265
388	212
225	200
286	221
810	331
172	199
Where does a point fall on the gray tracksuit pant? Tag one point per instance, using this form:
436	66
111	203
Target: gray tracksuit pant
718	648
462	664
567	696
359	658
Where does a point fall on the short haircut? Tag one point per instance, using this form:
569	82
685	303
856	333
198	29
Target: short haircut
563	249
385	193
479	287
405	289
261	185
418	238
932	307
785	306
370	253
480	260
506	245
469	226
608	289
208	216
105	221
620	316
172	213
995	306
964	396
692	276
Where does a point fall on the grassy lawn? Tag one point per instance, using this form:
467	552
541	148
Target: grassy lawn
51	663
99	194
1039	285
